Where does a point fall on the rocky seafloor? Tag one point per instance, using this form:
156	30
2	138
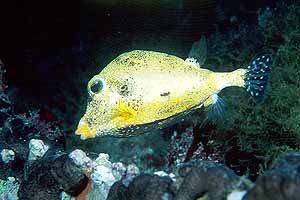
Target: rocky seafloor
76	176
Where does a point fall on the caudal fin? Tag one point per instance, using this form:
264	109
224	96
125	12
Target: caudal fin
257	76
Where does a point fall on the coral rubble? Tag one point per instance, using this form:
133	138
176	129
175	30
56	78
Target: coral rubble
37	149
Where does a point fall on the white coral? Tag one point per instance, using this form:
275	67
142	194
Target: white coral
102	177
131	172
7	155
80	158
37	149
103	159
103	173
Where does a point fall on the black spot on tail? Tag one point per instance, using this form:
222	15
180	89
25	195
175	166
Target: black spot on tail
258	75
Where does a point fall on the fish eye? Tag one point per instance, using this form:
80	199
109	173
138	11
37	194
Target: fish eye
96	86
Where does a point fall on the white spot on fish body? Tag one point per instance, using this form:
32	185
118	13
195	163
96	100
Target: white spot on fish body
114	98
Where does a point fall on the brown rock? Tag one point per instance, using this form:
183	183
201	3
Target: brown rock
282	182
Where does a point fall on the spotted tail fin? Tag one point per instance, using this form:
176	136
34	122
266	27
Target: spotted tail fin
257	76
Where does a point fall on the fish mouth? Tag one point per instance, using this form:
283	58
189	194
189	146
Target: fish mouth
84	131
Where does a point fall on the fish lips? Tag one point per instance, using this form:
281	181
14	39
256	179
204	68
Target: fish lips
84	130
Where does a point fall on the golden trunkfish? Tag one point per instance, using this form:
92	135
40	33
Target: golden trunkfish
142	90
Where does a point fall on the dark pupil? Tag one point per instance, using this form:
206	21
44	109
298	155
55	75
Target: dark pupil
96	87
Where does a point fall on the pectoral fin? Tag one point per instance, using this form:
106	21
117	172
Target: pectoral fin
124	114
215	109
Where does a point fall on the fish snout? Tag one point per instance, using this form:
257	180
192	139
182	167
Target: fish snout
84	130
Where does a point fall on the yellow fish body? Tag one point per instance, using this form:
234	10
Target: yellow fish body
141	90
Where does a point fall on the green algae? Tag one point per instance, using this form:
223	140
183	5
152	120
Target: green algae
2	186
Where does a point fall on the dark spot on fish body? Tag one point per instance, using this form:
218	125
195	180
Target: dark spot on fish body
124	90
94	103
117	60
124	61
131	63
135	103
165	94
135	108
90	122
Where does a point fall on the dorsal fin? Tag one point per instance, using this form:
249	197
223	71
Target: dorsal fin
198	52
